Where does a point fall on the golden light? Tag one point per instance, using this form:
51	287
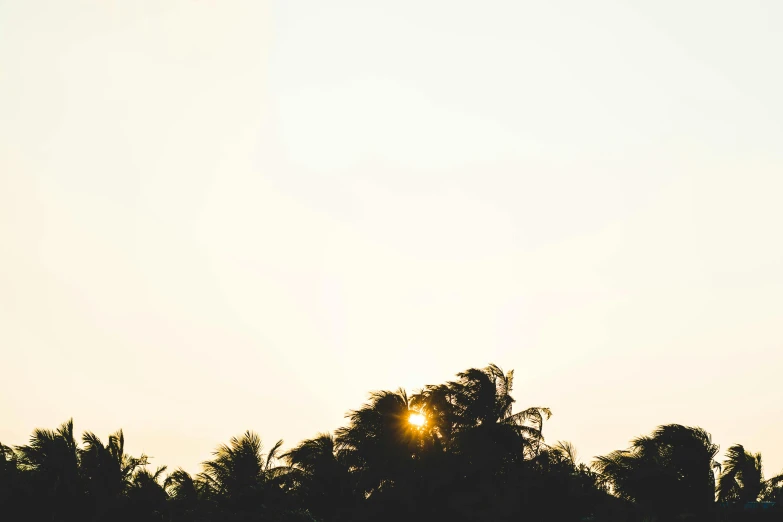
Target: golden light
417	419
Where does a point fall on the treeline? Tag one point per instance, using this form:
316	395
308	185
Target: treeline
455	451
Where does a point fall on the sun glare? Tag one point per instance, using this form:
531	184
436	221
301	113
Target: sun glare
417	419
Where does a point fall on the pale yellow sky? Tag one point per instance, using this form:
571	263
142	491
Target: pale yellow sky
218	216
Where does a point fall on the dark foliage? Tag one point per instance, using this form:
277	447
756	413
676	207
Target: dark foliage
455	451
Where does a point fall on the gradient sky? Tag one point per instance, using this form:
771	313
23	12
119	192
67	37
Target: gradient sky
217	216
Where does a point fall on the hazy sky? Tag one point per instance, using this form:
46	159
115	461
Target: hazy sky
222	215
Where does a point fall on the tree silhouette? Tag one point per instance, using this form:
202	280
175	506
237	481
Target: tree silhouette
742	477
11	477
773	489
454	451
107	472
189	498
379	442
321	476
474	415
146	495
668	473
52	459
240	476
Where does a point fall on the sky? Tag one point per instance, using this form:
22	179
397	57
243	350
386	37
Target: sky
219	216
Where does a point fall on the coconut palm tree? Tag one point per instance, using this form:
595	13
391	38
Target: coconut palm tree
667	473
559	486
321	477
485	440
181	485
241	476
52	458
188	496
742	477
474	414
108	471
8	460
380	443
146	495
393	456
437	403
567	452
10	476
773	489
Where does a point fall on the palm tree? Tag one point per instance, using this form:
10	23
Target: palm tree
667	473
321	477
380	444
8	459
565	452
181	485
437	402
560	487
10	475
52	458
107	470
773	489
487	443
240	476
389	457
146	495
187	495
475	413
742	478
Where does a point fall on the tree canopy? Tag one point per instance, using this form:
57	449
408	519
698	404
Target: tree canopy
459	450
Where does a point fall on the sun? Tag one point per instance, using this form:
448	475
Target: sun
417	419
